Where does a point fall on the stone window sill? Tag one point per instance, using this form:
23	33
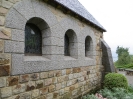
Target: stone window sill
35	58
88	58
69	58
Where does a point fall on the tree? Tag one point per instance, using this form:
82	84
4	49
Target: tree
123	56
131	58
120	50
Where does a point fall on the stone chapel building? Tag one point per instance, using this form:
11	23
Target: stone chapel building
50	49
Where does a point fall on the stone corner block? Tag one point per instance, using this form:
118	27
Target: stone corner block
6	92
13	46
12	81
1	46
4	70
17	35
15	20
2	81
6	4
5	33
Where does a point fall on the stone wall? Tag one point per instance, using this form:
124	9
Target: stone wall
57	84
52	75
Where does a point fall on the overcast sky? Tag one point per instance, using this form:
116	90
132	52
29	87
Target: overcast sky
116	16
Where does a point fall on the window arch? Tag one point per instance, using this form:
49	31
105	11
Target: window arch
36	32
88	47
70	44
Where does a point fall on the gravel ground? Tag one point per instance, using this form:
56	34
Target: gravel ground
129	78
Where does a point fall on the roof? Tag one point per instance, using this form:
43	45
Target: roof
76	7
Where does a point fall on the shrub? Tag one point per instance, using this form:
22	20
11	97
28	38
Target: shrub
130	88
89	97
115	80
116	93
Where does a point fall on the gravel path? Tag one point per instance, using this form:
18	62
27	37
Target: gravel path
129	78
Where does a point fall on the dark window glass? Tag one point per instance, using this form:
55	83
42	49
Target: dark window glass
66	46
87	45
33	40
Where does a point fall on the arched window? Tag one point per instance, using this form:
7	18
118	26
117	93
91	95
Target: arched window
70	44
37	38
33	40
88	47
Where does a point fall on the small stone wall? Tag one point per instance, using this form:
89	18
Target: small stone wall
129	72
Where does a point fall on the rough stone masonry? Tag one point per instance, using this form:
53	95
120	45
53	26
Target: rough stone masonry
51	75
